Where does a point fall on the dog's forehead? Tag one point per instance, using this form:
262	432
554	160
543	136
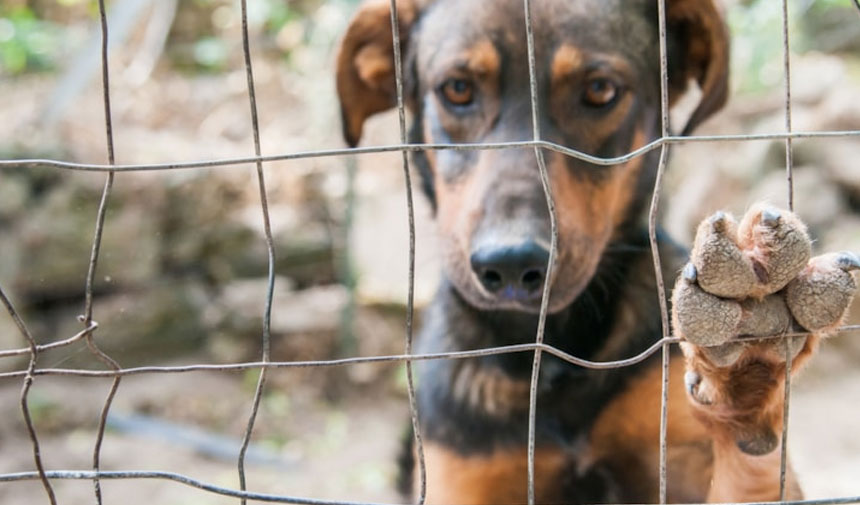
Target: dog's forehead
623	27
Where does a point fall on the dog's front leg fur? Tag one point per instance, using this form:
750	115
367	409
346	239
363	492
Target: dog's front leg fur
753	279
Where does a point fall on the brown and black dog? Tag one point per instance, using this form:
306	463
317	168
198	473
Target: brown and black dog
466	80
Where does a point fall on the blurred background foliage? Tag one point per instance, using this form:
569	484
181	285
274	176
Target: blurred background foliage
37	34
829	26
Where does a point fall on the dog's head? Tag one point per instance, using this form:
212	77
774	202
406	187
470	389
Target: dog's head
466	80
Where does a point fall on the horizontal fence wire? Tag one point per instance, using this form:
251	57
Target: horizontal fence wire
116	372
415	147
477	353
272	498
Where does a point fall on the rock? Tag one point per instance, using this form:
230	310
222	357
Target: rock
700	183
380	238
838	159
814	75
201	230
237	314
839	111
136	327
53	242
310	310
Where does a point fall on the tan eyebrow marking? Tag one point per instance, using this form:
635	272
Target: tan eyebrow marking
567	59
482	58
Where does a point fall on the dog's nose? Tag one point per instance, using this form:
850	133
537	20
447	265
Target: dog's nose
514	272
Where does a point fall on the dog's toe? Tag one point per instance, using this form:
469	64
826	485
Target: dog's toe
702	318
724	355
777	243
820	295
722	268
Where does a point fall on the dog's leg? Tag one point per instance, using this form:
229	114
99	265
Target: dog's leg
753	279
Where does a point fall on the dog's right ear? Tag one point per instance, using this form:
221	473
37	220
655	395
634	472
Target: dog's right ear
703	40
365	63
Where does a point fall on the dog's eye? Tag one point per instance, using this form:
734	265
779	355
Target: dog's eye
458	92
599	91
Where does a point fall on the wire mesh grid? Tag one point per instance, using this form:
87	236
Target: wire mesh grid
115	372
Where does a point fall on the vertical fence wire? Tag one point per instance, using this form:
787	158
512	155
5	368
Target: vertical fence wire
270	249
545	295
655	248
786	56
410	296
87	317
25	391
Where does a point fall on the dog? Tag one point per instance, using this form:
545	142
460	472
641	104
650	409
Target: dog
466	80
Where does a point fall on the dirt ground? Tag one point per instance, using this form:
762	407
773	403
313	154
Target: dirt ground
326	450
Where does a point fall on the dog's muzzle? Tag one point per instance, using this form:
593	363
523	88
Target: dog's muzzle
511	272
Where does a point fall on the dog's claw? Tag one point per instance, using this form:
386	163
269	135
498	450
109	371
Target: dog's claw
718	221
848	261
690	273
770	217
691	380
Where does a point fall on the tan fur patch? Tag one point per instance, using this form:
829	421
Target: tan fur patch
497	478
483	59
567	60
626	436
490	390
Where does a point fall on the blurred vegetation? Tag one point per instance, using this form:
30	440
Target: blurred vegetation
831	26
27	43
35	34
205	30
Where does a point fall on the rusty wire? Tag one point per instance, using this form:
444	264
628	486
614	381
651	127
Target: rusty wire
476	353
270	251
789	177
665	128
553	251
272	498
87	317
538	347
410	296
25	389
478	146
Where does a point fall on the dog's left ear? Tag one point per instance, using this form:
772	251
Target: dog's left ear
365	63
702	42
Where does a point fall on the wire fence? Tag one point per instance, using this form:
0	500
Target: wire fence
116	373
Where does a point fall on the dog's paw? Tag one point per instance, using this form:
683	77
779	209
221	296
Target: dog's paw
753	279
756	279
